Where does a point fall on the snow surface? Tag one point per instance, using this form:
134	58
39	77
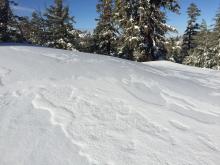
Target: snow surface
63	108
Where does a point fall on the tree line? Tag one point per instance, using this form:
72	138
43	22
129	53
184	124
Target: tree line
131	29
200	44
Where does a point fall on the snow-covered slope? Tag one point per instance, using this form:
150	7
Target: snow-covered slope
63	108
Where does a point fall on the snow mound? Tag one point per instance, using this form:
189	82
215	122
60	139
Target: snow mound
62	108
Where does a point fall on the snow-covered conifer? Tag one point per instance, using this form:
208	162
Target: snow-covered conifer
215	42
190	32
60	30
105	34
202	54
143	24
10	30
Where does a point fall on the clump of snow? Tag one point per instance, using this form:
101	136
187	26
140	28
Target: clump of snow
62	107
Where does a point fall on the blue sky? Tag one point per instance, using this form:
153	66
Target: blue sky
84	11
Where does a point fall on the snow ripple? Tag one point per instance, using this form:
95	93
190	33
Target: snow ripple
100	130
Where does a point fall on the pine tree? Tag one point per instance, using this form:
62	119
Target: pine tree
202	55
10	30
190	32
156	27
105	34
38	33
144	27
126	16
216	42
5	16
25	28
60	31
173	46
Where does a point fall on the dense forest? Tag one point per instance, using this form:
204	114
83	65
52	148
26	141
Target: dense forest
130	29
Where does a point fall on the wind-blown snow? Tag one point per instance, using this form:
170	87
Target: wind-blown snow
63	108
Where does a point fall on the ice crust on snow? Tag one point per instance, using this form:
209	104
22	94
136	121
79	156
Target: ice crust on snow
62	107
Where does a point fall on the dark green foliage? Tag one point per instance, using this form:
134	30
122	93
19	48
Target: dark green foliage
105	34
173	46
201	55
190	32
206	53
143	25
5	18
60	32
10	31
215	42
38	34
86	42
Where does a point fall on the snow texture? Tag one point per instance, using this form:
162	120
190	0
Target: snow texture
62	108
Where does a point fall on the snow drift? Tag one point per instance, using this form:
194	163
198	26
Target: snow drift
63	108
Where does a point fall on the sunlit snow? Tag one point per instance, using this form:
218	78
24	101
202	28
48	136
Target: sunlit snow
63	108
